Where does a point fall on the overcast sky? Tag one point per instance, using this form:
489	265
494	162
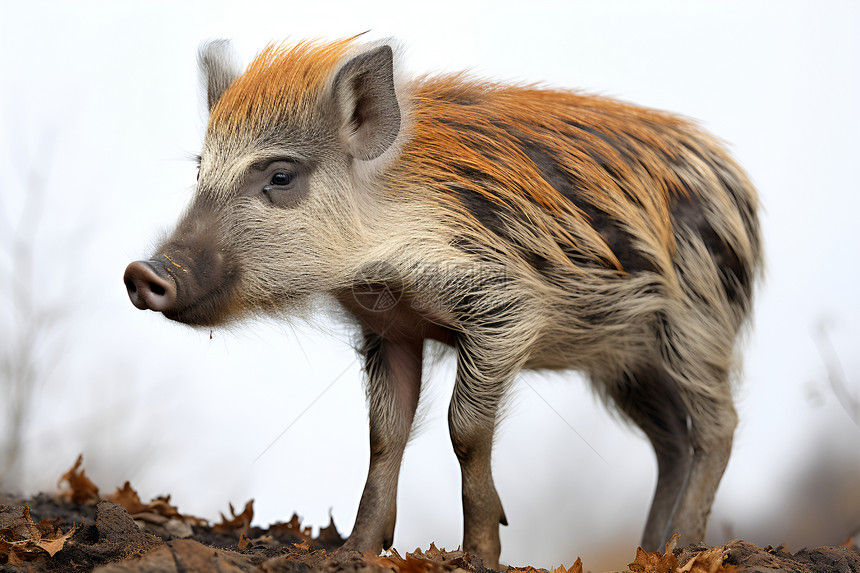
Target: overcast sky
100	109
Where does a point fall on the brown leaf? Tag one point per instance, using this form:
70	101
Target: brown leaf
328	536
708	561
26	541
294	527
128	498
433	553
13	555
410	564
450	559
243	541
81	489
158	510
240	522
656	562
163	501
575	568
54	544
33	532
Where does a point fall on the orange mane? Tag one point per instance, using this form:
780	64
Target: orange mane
282	79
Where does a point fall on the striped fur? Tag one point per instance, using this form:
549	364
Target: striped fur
526	227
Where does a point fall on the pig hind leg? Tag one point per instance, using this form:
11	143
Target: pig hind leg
689	467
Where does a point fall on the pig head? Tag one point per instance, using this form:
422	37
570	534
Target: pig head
272	221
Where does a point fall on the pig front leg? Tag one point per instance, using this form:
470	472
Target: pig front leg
482	380
393	370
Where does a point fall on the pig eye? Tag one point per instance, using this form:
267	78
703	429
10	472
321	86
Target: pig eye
282	183
281	178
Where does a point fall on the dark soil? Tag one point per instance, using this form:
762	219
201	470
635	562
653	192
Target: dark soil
58	534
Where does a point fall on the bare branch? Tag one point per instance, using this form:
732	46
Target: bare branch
835	373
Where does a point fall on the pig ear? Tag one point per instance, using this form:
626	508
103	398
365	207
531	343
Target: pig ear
218	68
365	98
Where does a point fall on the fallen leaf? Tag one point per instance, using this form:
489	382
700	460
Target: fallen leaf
575	568
26	541
450	559
240	522
158	510
294	527
53	545
329	535
127	497
708	561
656	562
33	532
81	489
11	553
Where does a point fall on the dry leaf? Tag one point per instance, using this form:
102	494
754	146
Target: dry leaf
329	535
440	557
239	522
27	541
575	568
656	562
53	545
11	553
708	561
81	489
294	527
410	564
128	498
243	541
157	511
32	531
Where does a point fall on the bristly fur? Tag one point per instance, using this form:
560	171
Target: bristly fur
281	79
604	155
524	227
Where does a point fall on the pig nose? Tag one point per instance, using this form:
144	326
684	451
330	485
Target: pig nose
147	289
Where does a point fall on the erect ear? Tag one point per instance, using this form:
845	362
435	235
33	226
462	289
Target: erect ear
218	68
365	98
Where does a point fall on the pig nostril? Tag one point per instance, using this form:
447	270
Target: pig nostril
147	289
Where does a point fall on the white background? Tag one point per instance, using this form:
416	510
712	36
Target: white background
100	102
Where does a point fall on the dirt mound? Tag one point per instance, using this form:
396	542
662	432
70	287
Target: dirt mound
79	530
